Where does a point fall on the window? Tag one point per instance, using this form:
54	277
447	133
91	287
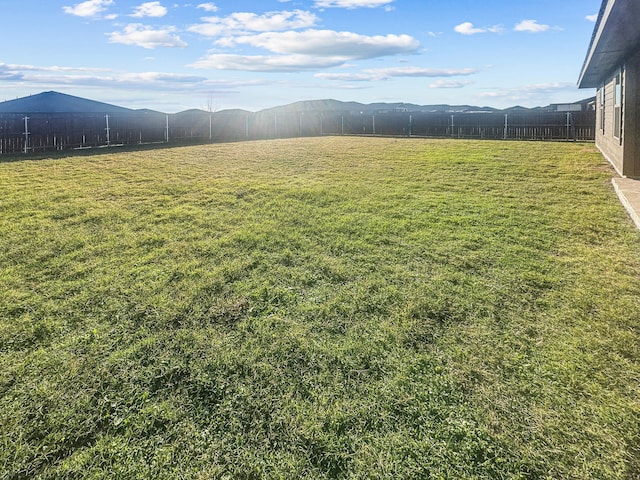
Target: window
617	107
601	107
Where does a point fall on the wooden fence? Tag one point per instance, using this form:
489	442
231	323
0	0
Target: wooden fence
48	132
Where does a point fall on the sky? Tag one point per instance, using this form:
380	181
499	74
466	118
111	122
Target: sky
171	56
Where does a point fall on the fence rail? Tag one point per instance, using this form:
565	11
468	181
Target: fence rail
21	133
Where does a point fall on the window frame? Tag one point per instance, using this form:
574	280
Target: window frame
617	105
601	107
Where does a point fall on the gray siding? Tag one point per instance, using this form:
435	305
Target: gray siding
623	152
610	146
631	122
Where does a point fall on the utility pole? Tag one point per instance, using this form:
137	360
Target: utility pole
211	105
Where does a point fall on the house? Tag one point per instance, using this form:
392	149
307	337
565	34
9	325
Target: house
612	66
586	105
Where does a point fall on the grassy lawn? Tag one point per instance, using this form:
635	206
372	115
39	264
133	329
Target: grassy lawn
319	308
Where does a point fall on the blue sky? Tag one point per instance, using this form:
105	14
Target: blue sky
172	56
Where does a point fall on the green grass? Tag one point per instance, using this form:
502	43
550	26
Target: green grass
319	308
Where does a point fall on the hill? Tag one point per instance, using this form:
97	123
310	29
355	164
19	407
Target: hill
380	107
56	102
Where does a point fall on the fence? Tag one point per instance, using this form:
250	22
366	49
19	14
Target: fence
47	132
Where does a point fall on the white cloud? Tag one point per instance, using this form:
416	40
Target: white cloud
57	75
423	72
242	22
379	74
147	37
347	77
592	18
531	26
307	50
449	83
547	87
467	28
158	77
208	7
539	91
328	43
10	77
351	4
266	63
9	73
14	67
149	9
90	8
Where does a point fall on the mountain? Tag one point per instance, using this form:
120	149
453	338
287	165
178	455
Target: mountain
371	108
327	105
55	102
148	111
232	111
199	111
193	111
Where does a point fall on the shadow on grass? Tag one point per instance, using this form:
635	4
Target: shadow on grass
101	150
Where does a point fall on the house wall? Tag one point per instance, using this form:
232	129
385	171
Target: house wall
610	146
622	151
631	117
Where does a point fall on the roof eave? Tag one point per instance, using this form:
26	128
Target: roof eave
587	78
615	38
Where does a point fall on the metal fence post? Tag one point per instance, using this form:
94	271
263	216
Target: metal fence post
506	126
300	124
26	134
108	130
